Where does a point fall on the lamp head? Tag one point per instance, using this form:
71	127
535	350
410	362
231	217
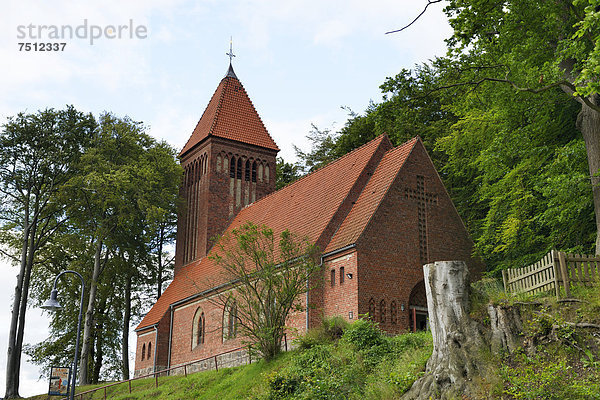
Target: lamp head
52	304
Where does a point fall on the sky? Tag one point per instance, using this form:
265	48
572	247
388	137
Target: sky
160	61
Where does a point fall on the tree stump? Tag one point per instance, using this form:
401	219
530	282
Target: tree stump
457	339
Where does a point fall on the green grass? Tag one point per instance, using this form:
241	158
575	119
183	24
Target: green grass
557	361
327	367
228	383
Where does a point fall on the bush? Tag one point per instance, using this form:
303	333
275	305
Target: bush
281	385
364	364
330	330
363	334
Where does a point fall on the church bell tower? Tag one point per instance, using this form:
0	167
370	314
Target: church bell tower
228	162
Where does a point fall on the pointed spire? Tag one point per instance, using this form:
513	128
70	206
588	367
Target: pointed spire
231	73
231	115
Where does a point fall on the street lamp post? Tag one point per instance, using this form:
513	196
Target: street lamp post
53	305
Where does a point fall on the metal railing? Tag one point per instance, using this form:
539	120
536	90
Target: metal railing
164	372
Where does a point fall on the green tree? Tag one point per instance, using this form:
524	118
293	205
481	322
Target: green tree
38	153
268	275
127	189
321	152
286	173
533	47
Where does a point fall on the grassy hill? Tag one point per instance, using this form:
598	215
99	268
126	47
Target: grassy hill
559	359
360	363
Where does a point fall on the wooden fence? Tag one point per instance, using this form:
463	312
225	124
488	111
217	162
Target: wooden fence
555	270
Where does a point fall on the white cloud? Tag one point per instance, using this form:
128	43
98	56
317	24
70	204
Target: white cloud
288	133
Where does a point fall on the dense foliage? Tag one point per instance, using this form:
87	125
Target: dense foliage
363	363
106	196
514	163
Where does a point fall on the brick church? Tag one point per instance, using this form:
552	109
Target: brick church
377	214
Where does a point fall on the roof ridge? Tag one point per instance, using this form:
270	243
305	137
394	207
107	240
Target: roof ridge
202	116
380	137
257	114
409	143
219	104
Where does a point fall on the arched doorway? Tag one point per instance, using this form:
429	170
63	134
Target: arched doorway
417	306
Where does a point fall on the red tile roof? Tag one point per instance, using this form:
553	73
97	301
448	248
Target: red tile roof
230	114
371	196
306	207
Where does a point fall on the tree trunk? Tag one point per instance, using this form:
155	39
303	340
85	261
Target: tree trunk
457	339
89	319
12	374
24	296
159	275
455	336
98	353
125	337
588	122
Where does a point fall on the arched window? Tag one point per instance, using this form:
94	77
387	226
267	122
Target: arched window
267	173
247	172
382	311
393	312
230	320
198	328
225	164
232	168
372	308
254	171
143	351
260	172
238	174
149	350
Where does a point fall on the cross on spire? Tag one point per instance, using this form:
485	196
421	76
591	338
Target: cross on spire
230	54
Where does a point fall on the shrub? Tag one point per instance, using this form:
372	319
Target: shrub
330	330
281	385
363	334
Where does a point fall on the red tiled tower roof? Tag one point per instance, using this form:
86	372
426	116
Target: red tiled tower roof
311	207
230	114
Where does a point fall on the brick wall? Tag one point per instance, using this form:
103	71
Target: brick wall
340	295
145	366
211	197
389	251
183	349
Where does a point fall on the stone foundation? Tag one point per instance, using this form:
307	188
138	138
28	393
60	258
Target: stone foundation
227	360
